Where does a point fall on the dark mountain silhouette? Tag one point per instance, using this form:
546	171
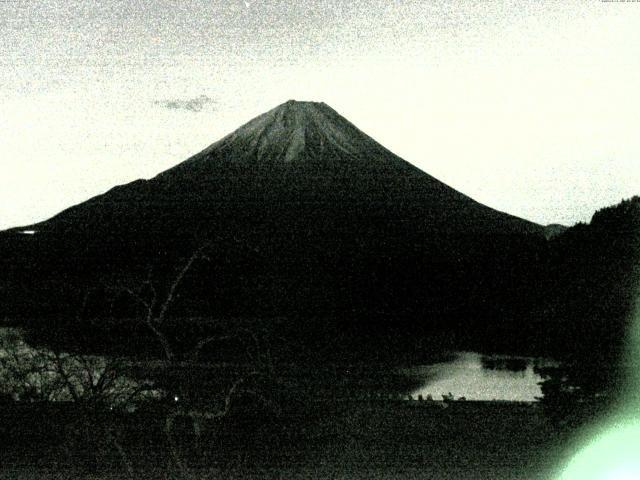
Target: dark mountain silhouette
309	221
299	153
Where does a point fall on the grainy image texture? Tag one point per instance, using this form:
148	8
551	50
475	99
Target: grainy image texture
277	239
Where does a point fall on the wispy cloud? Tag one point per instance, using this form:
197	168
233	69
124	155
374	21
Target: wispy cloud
191	104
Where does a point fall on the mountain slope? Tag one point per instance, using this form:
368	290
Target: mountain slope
302	153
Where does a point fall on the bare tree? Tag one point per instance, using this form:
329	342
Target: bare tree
86	384
156	303
39	374
155	306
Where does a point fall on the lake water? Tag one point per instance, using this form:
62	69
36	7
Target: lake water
466	374
478	377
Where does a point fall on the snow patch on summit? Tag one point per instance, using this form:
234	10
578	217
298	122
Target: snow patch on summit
293	127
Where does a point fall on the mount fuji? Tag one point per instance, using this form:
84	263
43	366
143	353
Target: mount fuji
308	219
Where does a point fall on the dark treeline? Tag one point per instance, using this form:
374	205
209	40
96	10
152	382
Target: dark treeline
592	288
351	298
593	279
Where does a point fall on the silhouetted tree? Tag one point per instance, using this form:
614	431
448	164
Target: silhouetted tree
592	289
203	392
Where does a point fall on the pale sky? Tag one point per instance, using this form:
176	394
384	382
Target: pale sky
530	107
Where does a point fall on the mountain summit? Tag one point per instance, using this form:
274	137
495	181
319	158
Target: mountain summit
295	130
306	216
295	133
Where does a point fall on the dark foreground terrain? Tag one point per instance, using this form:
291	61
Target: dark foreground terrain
339	439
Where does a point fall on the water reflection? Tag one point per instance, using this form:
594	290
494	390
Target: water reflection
478	377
